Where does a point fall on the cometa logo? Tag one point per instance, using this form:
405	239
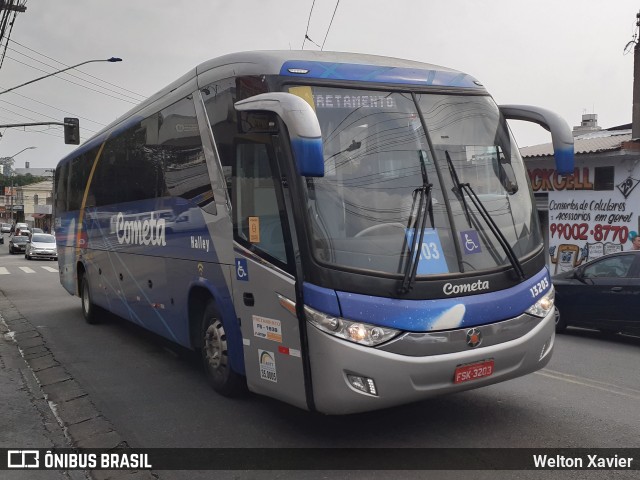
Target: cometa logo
141	232
450	289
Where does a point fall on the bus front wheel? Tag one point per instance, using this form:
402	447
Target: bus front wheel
88	307
215	355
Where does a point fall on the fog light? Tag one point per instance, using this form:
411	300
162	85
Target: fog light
363	384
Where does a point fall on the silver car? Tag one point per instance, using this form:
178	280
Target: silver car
42	245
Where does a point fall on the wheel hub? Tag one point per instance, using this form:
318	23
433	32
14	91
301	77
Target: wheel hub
215	344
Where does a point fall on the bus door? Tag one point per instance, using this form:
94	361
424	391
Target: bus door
264	273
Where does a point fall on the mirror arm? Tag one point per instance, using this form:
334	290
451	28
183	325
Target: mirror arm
561	134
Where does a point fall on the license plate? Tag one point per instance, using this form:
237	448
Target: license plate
466	373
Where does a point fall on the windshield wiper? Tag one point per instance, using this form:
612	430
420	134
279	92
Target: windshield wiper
466	188
424	198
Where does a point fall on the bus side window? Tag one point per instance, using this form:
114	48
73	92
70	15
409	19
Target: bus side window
257	217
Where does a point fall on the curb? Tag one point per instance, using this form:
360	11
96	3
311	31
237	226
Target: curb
83	426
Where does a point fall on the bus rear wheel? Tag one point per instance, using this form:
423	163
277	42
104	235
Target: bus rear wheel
215	355
89	309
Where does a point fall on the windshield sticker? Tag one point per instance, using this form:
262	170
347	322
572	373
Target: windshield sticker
267	328
431	254
267	366
470	242
254	229
354	101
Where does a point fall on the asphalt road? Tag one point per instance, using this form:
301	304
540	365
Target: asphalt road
155	395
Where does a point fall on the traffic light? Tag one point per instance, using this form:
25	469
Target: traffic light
71	131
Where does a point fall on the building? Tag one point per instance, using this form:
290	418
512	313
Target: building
596	210
9	201
36	172
36	202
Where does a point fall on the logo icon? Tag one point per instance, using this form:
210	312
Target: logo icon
470	241
474	337
242	270
23	459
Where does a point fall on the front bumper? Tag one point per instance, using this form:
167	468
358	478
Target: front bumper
50	255
401	379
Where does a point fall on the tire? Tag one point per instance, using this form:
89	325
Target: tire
561	324
89	309
215	357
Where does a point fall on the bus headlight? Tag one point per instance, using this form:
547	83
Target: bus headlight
544	305
357	332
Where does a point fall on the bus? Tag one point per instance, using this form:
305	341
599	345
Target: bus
342	232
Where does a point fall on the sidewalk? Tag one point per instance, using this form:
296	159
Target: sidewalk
44	407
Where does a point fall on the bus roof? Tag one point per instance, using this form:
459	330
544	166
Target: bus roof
307	64
342	66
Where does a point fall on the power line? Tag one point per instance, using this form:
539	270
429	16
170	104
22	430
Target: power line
56	108
74	76
40	113
77	70
331	23
74	83
306	34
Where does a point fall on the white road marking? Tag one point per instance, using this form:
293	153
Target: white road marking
4	271
587	382
50	269
27	270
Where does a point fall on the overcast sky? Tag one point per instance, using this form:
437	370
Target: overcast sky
565	55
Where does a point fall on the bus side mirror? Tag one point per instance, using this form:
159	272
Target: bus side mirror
561	135
302	123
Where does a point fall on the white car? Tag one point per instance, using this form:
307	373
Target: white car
42	245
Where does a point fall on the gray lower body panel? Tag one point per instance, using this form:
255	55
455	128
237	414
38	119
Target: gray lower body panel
401	379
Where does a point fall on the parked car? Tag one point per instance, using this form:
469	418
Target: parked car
603	294
42	245
5	228
18	243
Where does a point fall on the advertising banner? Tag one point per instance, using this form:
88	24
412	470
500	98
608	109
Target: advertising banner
592	213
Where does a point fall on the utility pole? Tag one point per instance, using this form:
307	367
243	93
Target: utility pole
635	117
12	7
9	10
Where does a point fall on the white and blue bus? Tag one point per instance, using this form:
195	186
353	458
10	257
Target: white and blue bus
341	232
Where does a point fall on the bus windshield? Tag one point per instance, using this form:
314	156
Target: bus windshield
382	149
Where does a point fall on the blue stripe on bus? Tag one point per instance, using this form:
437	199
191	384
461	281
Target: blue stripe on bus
308	155
378	74
321	299
186	261
564	160
428	315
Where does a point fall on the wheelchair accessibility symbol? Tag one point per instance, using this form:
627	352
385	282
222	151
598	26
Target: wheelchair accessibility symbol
470	241
242	270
